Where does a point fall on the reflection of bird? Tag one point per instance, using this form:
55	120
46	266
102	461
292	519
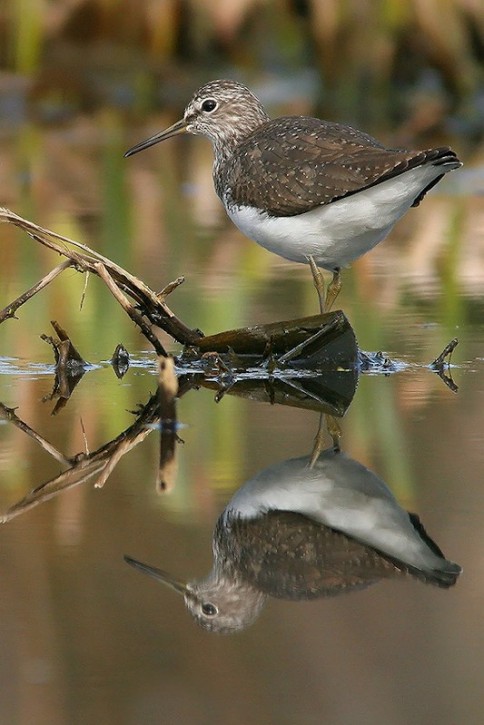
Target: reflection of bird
301	532
308	190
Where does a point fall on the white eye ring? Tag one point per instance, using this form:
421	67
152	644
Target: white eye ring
210	610
209	105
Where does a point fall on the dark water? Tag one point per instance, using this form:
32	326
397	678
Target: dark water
84	637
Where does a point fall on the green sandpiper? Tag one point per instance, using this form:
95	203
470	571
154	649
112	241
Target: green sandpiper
303	529
311	191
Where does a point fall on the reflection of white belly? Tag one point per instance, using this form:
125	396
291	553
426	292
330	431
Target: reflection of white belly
340	493
337	233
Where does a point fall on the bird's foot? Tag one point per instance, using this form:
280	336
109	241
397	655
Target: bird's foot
327	425
334	288
334	430
327	300
318	280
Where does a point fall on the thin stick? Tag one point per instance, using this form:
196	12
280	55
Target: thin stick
154	308
11	309
129	309
112	462
440	361
169	288
167	392
9	414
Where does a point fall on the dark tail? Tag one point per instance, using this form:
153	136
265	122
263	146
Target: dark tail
446	574
444	157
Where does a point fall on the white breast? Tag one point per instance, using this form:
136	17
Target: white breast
340	493
335	234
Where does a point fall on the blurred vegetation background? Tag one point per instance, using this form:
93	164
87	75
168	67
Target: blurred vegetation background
83	80
418	60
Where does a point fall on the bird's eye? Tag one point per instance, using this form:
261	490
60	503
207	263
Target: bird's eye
210	610
209	105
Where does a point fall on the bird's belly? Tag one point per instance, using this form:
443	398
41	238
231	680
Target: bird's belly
335	234
342	494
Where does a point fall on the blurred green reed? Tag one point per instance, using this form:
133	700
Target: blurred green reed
26	30
366	43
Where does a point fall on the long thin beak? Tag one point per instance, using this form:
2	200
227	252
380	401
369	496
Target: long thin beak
158	574
178	127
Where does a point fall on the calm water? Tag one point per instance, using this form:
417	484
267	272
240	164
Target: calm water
85	639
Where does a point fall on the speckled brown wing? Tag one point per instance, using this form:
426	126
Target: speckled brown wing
288	556
291	165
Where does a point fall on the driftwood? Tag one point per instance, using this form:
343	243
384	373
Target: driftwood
150	308
330	393
318	343
311	363
159	414
321	343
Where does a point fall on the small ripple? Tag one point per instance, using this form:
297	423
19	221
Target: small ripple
17	366
34	370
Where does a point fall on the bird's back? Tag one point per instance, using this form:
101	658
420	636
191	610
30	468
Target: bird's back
292	164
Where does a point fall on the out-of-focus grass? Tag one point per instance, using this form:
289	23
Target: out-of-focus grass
26	28
368	44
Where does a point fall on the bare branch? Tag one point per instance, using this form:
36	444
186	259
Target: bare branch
9	414
87	259
11	309
128	308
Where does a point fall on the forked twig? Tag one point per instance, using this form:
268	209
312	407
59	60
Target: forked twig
152	306
11	309
10	415
128	308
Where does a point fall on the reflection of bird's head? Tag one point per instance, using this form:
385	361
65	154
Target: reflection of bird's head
222	605
217	603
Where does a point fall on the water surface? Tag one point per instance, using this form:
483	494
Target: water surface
87	639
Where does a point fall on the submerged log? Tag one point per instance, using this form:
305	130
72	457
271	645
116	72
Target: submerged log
310	363
328	392
330	332
320	342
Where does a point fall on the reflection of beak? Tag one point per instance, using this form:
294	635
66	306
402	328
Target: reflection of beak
178	127
158	574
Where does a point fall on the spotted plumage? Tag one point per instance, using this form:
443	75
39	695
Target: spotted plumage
289	166
304	529
305	189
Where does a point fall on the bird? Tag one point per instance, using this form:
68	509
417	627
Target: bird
309	190
301	529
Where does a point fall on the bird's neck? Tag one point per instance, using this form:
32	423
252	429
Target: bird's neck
227	141
235	130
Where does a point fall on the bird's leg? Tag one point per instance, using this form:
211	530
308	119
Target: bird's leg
318	442
334	431
333	428
318	280
334	288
